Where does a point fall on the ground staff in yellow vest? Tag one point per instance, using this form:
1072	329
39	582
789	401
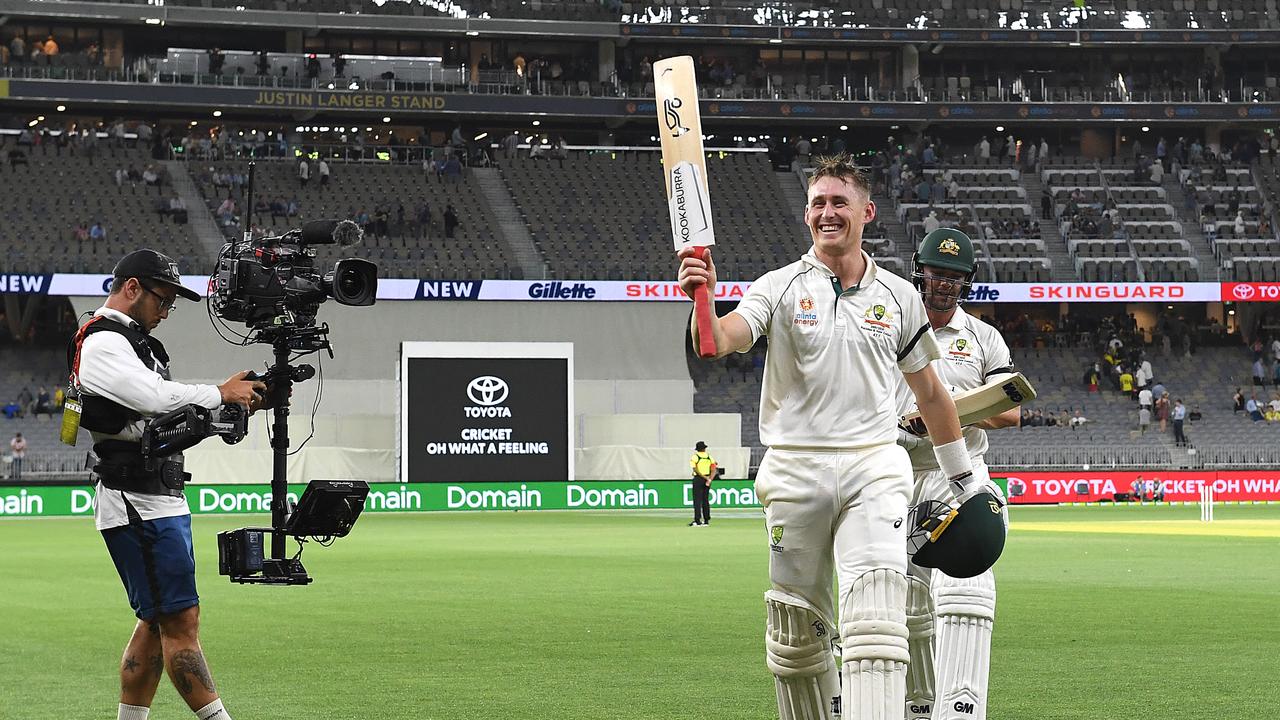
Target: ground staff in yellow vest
703	472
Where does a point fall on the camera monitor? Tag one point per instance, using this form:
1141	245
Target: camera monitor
328	508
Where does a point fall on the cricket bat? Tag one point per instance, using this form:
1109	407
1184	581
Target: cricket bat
685	169
1002	392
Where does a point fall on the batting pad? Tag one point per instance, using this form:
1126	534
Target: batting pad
873	632
920	614
798	642
966	612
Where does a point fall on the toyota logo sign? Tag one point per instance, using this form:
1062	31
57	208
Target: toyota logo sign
1017	486
487	390
1243	292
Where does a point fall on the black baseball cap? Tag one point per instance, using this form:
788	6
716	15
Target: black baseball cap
151	265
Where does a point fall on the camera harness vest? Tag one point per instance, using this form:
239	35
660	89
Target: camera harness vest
120	462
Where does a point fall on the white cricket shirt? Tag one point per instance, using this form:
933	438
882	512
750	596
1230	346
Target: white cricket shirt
972	351
834	356
110	368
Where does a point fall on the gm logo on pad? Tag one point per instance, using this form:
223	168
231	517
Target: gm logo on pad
487	390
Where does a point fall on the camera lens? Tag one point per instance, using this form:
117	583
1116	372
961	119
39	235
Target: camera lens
350	283
353	282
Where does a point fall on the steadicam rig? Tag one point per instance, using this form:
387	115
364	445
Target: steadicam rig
274	286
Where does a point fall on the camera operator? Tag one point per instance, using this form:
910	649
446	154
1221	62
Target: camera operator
122	375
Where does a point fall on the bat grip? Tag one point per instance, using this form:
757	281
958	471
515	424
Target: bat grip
702	311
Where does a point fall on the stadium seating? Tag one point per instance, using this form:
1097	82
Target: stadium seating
476	251
604	215
1111	436
991	207
51	195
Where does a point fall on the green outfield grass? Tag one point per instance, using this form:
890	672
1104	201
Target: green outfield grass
620	616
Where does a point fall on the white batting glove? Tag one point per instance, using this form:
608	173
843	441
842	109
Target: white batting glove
979	482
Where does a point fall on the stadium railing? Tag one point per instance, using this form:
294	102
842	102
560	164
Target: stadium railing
1079	457
1016	15
421	75
48	465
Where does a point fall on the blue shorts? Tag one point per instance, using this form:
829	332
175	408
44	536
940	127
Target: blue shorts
156	563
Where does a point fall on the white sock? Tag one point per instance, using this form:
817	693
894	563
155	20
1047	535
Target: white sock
213	711
132	712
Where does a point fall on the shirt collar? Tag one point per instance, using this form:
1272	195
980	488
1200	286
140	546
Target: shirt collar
868	276
113	314
958	320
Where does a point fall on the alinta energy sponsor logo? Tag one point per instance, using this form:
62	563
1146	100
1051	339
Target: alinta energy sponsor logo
806	316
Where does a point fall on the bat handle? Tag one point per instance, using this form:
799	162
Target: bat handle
702	310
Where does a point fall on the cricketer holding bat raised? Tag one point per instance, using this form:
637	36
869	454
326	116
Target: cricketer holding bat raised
949	618
834	483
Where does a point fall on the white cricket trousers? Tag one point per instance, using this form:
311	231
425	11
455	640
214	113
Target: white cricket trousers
842	511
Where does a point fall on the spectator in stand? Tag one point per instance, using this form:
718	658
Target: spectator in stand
304	173
1259	372
1126	381
18	452
1144	419
510	145
450	221
1092	377
1237	402
1251	407
931	223
12	410
151	177
1238	225
1273	408
1078	419
1162	411
1145	398
44	402
1179	416
453	169
178	209
324	174
424	219
97	231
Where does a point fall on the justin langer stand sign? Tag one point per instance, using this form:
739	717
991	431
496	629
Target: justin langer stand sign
486	412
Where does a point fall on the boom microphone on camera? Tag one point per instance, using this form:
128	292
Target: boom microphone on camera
331	232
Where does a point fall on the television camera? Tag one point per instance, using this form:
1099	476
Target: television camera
275	286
